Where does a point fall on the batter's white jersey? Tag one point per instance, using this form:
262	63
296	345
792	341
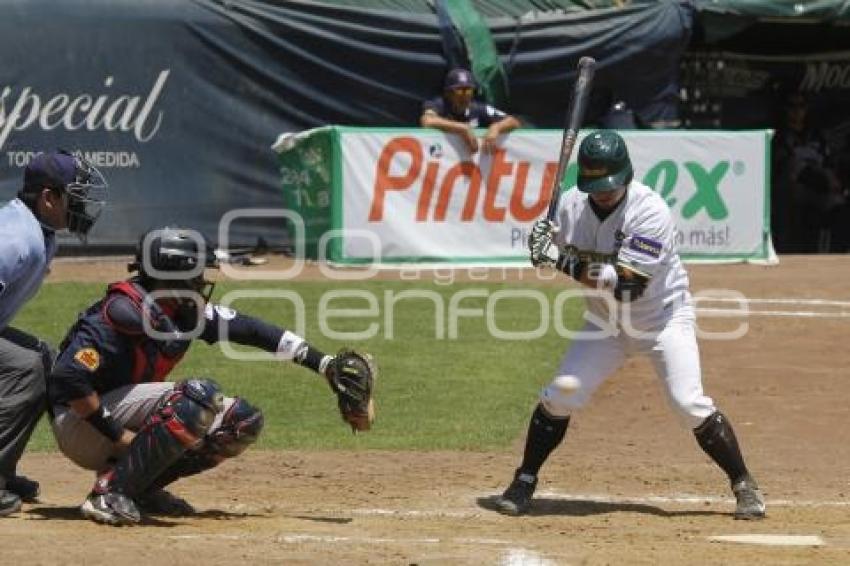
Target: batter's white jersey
639	233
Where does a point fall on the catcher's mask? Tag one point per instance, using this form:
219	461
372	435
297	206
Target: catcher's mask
176	258
603	162
80	180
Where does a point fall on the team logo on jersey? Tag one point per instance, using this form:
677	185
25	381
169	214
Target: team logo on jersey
223	312
89	358
619	237
646	246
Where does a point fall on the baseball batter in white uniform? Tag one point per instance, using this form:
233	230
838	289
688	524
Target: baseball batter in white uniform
617	237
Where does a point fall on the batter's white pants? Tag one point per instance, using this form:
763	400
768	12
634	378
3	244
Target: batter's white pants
674	353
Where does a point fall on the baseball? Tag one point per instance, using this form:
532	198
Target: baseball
567	384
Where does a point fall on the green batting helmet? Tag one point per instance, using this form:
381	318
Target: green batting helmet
603	162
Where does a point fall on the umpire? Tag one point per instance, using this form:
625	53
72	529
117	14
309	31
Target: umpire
60	191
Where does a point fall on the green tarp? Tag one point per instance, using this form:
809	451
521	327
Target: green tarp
483	53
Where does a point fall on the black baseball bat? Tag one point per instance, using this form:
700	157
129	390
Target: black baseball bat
575	116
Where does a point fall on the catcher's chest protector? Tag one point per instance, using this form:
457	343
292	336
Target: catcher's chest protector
153	359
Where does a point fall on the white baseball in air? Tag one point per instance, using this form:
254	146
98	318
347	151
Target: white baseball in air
567	384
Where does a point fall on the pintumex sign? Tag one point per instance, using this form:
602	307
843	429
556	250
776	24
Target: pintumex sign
418	195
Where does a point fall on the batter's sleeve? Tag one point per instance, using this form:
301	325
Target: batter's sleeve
648	242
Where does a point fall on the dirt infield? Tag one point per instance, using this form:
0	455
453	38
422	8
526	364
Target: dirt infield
629	485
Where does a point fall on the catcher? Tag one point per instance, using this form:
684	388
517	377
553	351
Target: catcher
111	410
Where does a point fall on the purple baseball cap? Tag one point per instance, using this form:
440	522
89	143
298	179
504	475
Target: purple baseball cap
50	169
459	78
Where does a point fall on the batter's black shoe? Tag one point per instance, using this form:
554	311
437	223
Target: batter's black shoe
9	503
750	503
161	502
25	488
517	498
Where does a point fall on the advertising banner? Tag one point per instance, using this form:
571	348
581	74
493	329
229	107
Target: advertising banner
306	161
158	97
419	196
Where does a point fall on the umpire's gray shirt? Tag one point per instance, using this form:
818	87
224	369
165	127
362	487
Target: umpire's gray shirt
26	248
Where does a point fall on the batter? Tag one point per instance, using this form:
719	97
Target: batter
617	237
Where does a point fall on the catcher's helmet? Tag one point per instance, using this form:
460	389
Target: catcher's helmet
174	254
603	162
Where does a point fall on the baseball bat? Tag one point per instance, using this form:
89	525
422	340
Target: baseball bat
575	116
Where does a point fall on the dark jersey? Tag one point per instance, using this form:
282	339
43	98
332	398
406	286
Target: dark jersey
111	346
477	115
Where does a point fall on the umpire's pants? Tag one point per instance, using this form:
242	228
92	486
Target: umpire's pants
24	363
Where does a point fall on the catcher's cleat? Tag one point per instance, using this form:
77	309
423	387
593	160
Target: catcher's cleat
161	502
9	503
111	508
25	488
750	503
517	498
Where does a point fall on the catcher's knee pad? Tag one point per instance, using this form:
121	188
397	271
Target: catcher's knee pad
189	411
241	424
560	397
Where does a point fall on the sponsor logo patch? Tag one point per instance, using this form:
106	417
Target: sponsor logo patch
225	313
645	246
89	358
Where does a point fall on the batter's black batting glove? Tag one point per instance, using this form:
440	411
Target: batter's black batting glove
571	265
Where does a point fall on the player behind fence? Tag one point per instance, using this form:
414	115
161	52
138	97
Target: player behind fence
457	112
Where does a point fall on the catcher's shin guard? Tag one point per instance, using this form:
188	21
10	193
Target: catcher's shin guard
189	464
240	427
178	425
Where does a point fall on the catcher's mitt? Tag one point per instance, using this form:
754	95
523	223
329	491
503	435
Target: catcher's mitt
352	377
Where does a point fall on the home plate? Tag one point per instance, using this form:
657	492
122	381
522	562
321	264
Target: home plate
773	540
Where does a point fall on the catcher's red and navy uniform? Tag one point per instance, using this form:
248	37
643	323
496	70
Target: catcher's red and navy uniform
108	347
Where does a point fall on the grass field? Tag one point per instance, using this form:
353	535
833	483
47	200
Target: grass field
434	392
